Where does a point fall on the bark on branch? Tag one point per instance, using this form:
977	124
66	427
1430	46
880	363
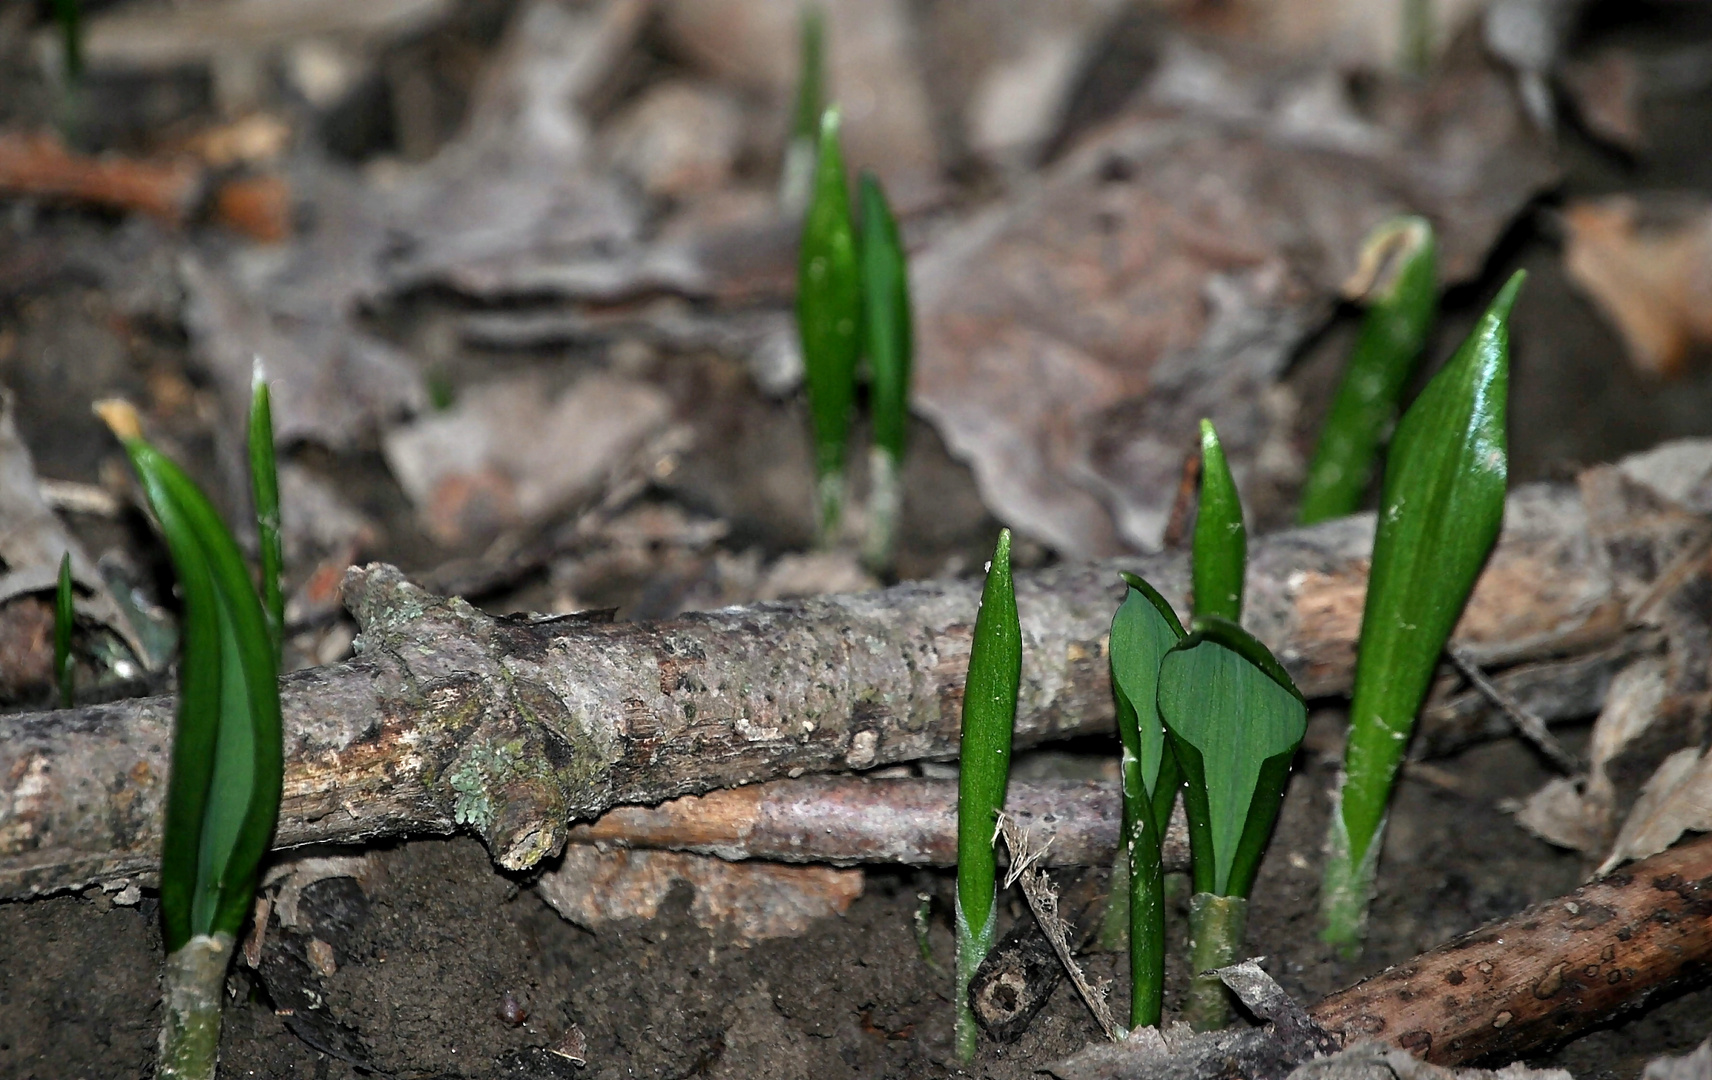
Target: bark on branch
514	729
1546	974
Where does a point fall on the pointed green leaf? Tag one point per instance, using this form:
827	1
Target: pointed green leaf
886	310
984	765
829	311
811	78
1399	315
1235	720
1439	515
264	489
65	614
1221	542
227	761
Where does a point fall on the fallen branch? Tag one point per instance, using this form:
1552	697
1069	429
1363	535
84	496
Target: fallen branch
846	820
1540	977
514	728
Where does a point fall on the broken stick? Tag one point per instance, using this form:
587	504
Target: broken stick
512	729
847	820
1540	977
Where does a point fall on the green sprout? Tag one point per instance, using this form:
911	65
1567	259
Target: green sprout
65	613
796	179
829	310
1439	515
1402	260
68	14
890	347
989	713
1235	720
1144	629
227	757
1220	546
264	486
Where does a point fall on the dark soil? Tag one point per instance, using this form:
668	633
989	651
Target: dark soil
427	961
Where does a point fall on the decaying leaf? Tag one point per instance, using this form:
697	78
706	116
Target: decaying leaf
1069	340
1648	267
508	453
1676	800
32	541
1580	814
757	900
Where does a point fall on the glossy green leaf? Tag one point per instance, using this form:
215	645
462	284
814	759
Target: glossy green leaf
227	760
65	615
264	489
984	766
1399	316
1144	629
829	311
1439	515
1220	545
1235	719
886	311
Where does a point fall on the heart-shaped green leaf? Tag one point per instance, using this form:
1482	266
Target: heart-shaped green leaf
1235	720
1144	629
1221	542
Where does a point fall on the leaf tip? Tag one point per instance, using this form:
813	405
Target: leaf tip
120	416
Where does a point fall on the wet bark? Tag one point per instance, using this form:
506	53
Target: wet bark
1533	980
513	729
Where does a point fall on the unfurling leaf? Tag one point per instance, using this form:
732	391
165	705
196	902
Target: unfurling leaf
1221	541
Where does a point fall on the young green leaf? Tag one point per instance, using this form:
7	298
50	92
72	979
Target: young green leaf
65	614
1394	333
989	713
227	761
1144	629
69	15
1235	719
797	176
888	335
264	488
1440	511
829	310
1221	543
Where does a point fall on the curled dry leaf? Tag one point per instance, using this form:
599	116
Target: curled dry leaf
1648	267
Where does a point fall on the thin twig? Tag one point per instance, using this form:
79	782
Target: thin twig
1042	899
1531	727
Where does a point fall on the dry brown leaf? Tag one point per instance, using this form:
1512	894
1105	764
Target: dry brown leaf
1580	814
1676	800
1165	271
1648	267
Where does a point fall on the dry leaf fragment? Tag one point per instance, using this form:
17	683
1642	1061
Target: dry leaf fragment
1649	269
1676	800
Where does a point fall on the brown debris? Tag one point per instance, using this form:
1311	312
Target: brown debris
756	900
1648	267
1546	974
